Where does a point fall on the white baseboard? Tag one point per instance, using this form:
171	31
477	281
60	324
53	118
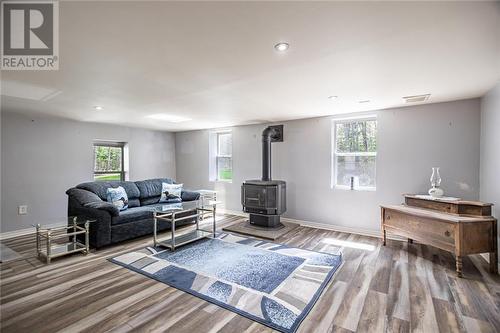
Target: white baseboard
16	233
339	228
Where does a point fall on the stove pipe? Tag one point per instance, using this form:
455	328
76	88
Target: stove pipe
268	135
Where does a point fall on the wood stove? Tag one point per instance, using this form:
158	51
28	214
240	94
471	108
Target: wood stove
265	199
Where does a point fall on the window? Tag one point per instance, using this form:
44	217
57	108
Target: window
109	161
224	159
355	153
220	166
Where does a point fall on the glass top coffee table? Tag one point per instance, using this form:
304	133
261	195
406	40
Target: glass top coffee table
177	212
60	238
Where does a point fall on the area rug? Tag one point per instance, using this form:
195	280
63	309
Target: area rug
273	284
245	228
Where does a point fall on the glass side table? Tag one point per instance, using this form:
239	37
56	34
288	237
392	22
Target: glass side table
47	236
206	196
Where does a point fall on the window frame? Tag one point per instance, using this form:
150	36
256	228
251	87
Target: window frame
113	144
218	155
334	152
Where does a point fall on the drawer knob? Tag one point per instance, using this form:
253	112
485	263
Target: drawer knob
388	217
447	233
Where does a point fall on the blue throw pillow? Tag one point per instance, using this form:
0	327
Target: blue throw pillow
118	197
171	193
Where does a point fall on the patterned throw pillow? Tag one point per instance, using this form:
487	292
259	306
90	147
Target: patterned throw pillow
118	197
171	193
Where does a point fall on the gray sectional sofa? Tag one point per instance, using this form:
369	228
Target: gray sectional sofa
113	226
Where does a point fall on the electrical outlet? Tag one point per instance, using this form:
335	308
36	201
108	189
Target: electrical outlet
22	210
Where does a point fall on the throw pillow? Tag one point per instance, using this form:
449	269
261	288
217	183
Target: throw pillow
171	193
118	197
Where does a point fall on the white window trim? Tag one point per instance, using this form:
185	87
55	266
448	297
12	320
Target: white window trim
217	134
333	183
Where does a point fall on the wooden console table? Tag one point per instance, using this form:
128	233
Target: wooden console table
461	227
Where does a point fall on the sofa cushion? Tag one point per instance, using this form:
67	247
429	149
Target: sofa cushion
133	215
150	201
185	196
133	202
101	188
151	189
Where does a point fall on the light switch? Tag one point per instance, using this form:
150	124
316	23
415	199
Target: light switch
22	210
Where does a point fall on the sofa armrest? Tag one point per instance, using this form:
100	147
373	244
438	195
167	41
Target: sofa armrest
189	195
103	205
83	196
100	230
90	200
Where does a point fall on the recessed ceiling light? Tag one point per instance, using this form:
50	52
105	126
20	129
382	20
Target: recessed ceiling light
281	47
364	101
333	97
98	107
168	117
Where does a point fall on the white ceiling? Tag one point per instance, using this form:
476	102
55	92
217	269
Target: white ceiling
214	62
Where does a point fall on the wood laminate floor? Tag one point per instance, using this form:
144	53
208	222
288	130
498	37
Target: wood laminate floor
398	288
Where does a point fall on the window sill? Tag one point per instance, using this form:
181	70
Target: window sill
223	181
358	189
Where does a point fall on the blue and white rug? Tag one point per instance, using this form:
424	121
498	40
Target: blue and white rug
273	284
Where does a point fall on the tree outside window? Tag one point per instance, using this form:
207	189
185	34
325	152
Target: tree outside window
108	161
224	159
355	153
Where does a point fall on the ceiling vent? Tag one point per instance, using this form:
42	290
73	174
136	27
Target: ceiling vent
416	98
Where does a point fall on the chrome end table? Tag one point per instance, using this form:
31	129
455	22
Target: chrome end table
47	234
170	213
206	195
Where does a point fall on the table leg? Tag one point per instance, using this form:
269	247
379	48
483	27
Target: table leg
49	241
459	266
198	218
38	249
213	212
74	230
382	218
202	208
494	253
173	231
494	262
87	242
154	229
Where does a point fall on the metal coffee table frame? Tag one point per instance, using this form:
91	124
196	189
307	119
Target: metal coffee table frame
50	233
176	241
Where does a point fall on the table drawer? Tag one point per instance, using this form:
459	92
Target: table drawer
446	207
420	227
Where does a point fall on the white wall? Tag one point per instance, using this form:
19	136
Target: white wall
490	149
44	156
411	140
